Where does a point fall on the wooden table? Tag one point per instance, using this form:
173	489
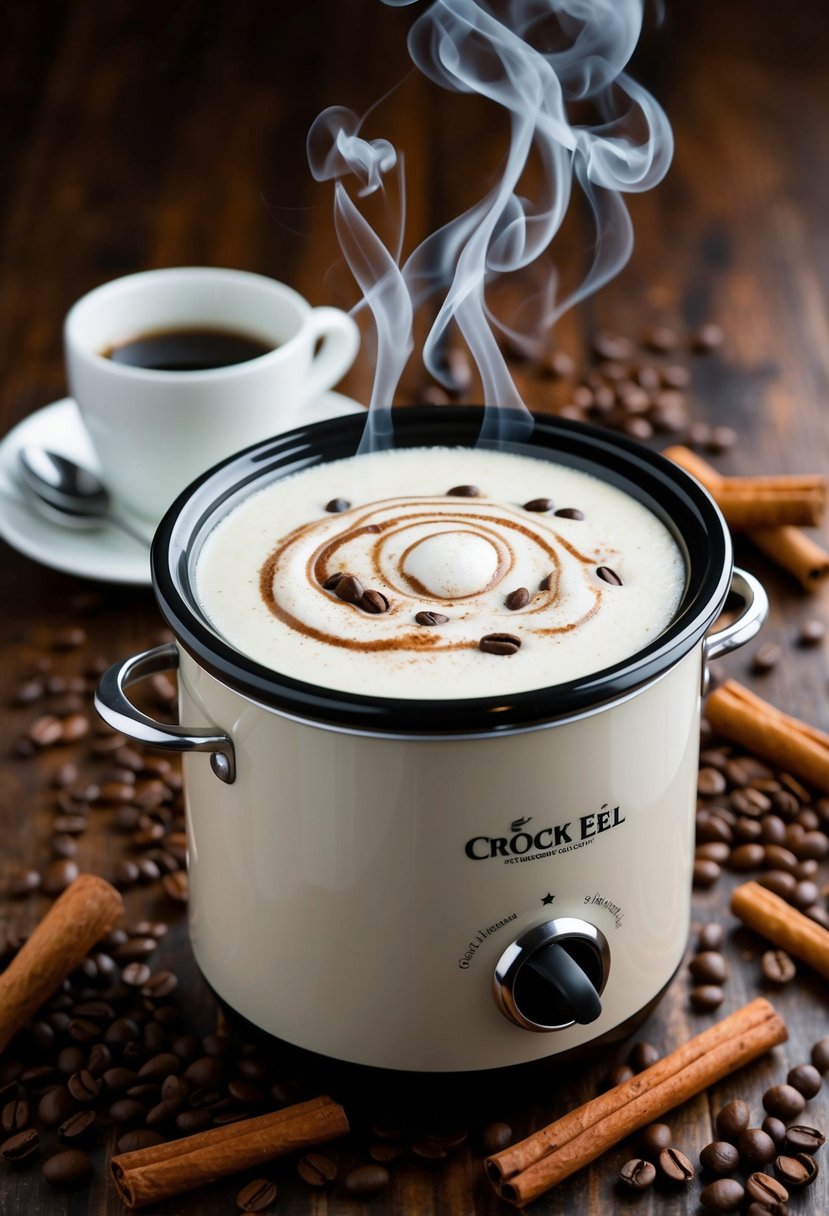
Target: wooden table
147	135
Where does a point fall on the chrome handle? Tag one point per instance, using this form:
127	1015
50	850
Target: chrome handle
747	624
115	707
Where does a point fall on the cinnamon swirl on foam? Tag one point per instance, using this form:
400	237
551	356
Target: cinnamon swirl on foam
439	573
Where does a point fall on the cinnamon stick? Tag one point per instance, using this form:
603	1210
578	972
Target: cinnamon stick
792	549
524	1171
791	744
774	919
80	917
151	1175
755	502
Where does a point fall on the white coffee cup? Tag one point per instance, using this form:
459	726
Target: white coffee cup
155	431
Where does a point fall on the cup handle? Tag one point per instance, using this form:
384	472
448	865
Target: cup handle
116	709
339	340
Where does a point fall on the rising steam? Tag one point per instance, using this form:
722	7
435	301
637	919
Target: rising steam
540	61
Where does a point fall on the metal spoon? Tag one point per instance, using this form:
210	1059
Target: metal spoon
74	494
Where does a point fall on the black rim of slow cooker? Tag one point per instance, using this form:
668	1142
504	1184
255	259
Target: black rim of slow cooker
677	499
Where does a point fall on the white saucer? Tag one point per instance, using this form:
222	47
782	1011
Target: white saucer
104	553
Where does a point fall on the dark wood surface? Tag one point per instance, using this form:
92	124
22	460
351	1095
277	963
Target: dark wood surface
146	135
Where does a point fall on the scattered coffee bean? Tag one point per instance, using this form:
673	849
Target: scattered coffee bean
464	492
732	1120
175	886
706	997
131	1142
23	882
820	1055
643	1055
765	1189
675	1166
756	1148
59	875
612	346
366	1180
495	1136
539	504
775	1128
330	583
709	967
569	513
256	1196
707	338
336	505
710	782
784	1101
46	730
20	1146
796	1171
69	1168
724	1195
55	1106
77	1126
83	1086
14	1116
431	618
655	1137
811	632
637	1175
777	967
316	1169
499	643
766	657
803	1139
806	1079
609	576
705	873
517	599
719	1157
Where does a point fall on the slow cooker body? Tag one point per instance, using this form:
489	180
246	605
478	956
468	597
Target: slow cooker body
445	886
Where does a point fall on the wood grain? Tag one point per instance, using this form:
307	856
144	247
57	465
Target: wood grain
156	134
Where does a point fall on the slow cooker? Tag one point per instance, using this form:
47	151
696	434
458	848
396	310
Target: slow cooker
448	886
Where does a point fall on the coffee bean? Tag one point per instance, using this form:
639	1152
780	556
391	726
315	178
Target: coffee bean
127	1110
374	602
69	1168
386	1153
569	513
175	886
14	1116
655	1137
163	1113
723	1195
643	1055
796	1171
609	576
707	338
205	1071
775	1128
803	1139
77	1126
722	438
706	997
193	1121
779	882
756	1147
337	505
331	582
765	1189
820	1055
464	492
495	1136
59	875
710	782
711	936
766	657
46	730
23	882
55	1106
612	346
539	505
366	1180
256	1196
661	338
777	967
709	967
637	1175
719	1157
159	986
675	1166
732	1120
784	1101
706	873
83	1086
430	1154
431	618
811	632
132	1141
20	1146
349	589
499	643
317	1169
806	1079
748	856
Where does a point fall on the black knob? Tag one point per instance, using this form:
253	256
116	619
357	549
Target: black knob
558	986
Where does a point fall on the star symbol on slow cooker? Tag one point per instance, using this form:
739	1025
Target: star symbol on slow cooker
548	898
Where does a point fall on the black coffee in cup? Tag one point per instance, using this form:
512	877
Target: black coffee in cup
194	349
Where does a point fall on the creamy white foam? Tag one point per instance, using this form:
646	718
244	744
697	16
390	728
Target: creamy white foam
599	588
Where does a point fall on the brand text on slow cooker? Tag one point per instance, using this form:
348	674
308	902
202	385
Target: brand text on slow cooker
521	843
